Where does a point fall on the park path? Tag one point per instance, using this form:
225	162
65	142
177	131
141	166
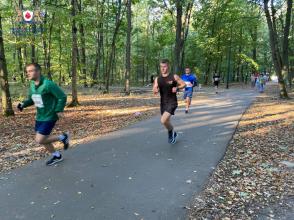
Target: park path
132	173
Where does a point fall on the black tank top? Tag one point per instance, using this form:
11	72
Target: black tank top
165	85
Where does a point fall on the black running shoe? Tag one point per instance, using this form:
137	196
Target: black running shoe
54	160
174	138
65	141
186	111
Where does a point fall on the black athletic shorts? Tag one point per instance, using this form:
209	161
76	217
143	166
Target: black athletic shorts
216	83
170	108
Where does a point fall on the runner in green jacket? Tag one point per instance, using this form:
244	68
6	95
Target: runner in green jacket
50	101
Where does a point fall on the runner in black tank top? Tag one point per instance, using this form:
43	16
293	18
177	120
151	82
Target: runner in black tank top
168	99
167	84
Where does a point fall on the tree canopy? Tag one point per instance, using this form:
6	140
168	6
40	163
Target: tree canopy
83	42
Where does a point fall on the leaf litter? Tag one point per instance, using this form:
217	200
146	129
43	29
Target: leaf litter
253	174
96	116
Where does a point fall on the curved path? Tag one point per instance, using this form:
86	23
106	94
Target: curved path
129	174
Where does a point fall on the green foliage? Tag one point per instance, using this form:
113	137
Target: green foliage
216	26
248	61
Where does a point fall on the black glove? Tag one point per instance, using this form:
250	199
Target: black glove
20	106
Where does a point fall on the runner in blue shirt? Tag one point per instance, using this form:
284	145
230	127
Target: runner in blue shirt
191	81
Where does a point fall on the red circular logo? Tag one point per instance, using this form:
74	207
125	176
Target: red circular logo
28	15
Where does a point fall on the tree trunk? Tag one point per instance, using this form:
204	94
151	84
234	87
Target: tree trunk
47	41
207	75
185	33
254	39
20	64
239	63
143	72
285	56
229	59
178	43
83	48
19	53
208	61
33	47
74	101
6	98
128	47
274	49
59	56
100	42
113	44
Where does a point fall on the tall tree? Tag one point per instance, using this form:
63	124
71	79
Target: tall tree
74	55
185	30
118	20
6	98
83	47
273	35
99	41
47	42
128	47
285	46
179	37
183	14
19	50
33	46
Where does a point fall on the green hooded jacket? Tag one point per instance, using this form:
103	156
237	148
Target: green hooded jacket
48	98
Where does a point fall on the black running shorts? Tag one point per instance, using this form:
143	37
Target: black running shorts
170	108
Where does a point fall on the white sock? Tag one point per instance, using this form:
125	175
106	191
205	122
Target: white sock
56	154
61	137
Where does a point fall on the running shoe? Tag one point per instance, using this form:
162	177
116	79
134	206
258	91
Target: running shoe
54	160
174	138
65	141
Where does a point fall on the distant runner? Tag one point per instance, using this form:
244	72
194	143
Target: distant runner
167	84
50	101
216	79
261	83
191	81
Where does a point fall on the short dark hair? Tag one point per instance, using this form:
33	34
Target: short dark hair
166	61
187	67
36	65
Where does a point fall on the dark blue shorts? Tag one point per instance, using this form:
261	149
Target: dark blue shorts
188	94
44	127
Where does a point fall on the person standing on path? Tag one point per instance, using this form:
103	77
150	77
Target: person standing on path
216	80
191	81
261	83
167	84
50	101
253	80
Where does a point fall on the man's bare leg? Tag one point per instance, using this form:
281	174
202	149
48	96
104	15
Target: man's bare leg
165	120
46	141
188	103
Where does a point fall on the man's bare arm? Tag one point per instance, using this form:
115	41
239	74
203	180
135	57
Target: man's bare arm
155	86
180	82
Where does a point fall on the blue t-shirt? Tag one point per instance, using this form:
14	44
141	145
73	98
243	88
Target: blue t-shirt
190	81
